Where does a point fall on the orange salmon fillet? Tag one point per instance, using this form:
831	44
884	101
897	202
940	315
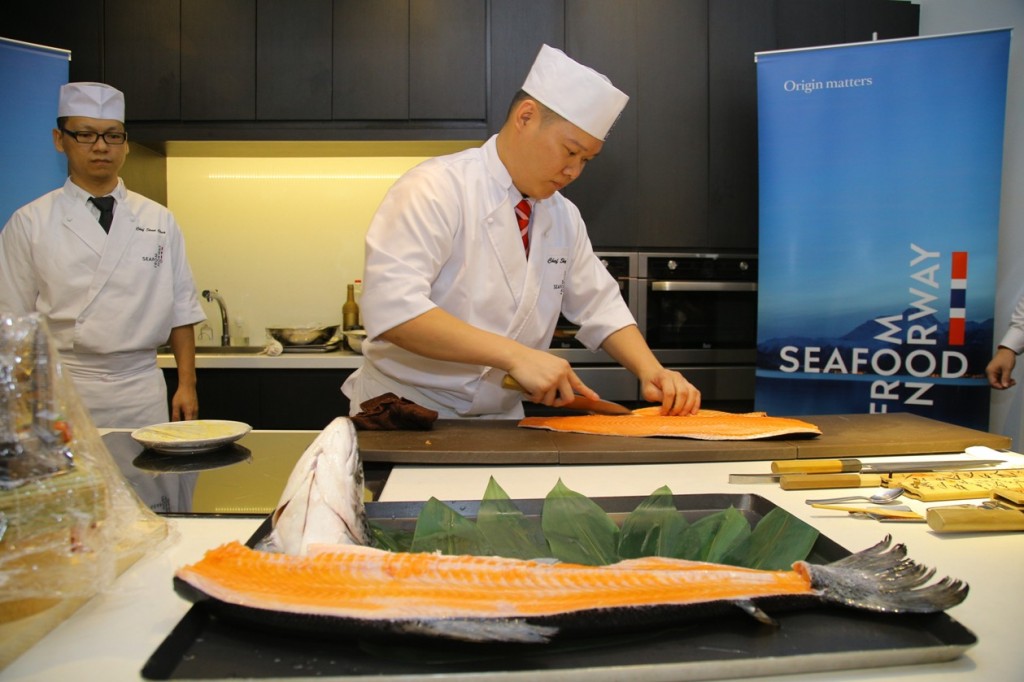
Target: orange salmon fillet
360	582
705	425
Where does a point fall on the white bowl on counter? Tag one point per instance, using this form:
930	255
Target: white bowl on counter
354	338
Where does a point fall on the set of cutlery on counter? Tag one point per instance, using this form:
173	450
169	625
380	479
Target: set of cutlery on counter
994	487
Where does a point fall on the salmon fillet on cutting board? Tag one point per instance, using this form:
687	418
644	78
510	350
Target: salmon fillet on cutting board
647	422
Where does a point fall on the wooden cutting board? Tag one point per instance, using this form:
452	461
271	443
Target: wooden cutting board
502	442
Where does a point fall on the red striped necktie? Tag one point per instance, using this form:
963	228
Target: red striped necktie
523	217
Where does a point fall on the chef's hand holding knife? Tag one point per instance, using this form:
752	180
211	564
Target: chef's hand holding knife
437	334
549	380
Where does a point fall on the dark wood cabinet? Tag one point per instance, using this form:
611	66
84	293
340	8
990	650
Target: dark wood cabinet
223	393
649	186
806	23
75	26
371	59
293	84
518	29
447	60
410	60
737	29
269	398
142	56
603	35
679	169
301	398
218	60
880	20
672	124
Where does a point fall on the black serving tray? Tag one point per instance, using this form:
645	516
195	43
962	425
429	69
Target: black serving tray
202	646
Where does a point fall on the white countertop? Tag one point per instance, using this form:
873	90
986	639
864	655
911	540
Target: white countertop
113	635
340	359
991	563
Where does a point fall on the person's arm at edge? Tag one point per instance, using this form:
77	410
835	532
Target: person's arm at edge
1000	367
185	403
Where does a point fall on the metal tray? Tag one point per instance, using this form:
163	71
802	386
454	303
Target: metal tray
313	348
204	647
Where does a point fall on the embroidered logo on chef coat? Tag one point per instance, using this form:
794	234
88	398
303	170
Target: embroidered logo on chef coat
559	261
158	258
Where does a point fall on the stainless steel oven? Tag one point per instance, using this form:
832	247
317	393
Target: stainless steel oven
599	370
698	312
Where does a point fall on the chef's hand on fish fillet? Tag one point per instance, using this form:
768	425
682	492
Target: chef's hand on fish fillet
670	388
657	384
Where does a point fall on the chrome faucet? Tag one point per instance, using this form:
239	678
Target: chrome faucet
225	337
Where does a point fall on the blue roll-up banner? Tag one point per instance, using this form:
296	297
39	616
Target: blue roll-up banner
880	168
30	80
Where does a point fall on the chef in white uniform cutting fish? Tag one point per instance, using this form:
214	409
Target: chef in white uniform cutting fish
471	258
112	288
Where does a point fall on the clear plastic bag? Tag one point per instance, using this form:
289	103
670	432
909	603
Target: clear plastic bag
69	521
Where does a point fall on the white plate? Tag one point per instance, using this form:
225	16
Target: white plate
190	437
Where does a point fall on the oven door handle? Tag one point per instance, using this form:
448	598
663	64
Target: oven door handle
685	285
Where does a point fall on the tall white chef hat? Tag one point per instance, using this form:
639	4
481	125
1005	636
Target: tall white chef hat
577	93
94	100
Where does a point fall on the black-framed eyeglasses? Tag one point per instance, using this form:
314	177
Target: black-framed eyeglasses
90	137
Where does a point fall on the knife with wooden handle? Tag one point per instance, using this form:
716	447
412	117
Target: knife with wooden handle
881	511
578	403
818	481
848	465
843	473
957	519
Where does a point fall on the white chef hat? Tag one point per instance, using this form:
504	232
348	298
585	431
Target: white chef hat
577	93
94	100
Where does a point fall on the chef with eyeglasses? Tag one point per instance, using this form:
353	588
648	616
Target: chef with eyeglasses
471	258
106	269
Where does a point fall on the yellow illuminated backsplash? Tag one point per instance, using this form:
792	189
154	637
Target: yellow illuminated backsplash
278	237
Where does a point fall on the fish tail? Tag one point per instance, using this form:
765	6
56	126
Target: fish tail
881	578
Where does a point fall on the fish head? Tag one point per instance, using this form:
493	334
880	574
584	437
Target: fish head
323	500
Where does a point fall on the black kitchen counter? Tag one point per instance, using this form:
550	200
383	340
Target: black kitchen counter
249	476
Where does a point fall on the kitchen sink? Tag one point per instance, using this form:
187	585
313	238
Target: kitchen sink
228	350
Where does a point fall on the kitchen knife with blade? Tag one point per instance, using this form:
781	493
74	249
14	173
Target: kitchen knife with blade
838	467
578	403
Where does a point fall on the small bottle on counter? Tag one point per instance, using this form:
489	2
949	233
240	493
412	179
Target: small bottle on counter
350	311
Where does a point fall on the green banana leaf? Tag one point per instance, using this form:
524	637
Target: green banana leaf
509	532
577	530
655	528
778	540
440	528
714	537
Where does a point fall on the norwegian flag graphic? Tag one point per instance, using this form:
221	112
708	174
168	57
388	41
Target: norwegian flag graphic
958	298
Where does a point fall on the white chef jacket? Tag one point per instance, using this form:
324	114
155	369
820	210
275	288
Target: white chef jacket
446	236
109	300
1014	337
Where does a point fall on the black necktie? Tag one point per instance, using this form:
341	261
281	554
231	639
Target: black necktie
106	207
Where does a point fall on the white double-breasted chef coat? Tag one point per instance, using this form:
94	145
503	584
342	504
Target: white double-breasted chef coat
446	236
109	300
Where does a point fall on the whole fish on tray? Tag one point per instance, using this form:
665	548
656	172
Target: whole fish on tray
329	582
